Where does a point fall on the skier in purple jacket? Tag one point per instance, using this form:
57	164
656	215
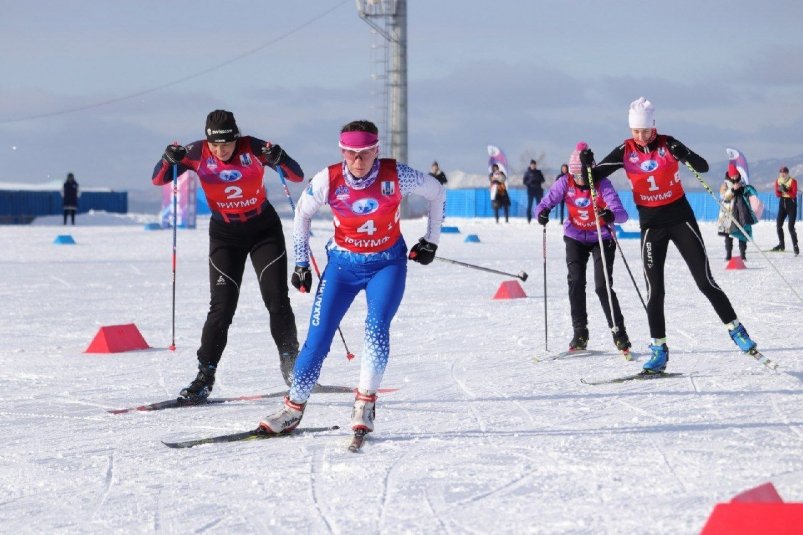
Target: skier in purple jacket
580	236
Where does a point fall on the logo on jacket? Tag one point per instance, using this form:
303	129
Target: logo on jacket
342	192
230	175
633	156
388	188
365	206
649	166
661	152
582	202
245	160
211	164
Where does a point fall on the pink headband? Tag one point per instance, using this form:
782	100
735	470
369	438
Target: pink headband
358	140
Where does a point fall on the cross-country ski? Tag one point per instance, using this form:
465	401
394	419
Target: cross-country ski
254	434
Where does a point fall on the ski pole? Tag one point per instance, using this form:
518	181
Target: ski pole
748	236
522	275
349	354
603	257
546	324
622	255
175	220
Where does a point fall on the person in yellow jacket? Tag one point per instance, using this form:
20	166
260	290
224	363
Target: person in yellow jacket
786	191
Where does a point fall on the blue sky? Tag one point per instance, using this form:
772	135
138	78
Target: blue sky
530	77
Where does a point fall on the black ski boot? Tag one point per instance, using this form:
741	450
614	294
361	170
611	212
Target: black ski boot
200	388
621	340
580	340
287	364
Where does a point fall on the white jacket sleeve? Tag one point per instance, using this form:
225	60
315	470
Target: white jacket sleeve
413	181
315	195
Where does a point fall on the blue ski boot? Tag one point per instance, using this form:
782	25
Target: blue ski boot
742	339
657	363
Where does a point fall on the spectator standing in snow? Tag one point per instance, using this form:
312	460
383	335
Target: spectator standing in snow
244	223
534	182
786	191
438	173
69	199
582	241
650	161
735	195
499	195
366	253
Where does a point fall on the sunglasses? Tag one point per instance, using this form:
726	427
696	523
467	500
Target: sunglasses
352	154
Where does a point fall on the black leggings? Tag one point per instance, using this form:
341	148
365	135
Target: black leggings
786	208
686	237
230	244
577	254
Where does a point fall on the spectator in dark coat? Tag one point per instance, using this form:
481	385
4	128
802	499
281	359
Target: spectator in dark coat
70	198
533	181
438	173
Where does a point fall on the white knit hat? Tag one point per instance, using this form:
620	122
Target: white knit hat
642	114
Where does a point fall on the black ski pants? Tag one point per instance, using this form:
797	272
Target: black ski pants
577	255
786	208
230	244
689	242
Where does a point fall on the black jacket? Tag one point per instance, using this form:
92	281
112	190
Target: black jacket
70	194
534	180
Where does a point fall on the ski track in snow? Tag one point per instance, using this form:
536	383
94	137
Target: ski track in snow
107	486
314	466
384	496
466	392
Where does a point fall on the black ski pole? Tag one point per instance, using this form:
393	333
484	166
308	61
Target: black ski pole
614	327
546	323
349	354
522	275
175	222
612	230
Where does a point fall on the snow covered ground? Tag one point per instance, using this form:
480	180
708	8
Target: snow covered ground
479	438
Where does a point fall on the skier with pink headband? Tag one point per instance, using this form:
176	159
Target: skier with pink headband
367	252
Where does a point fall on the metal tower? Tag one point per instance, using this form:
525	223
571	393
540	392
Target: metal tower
388	18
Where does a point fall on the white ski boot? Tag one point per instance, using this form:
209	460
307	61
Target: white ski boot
286	419
362	416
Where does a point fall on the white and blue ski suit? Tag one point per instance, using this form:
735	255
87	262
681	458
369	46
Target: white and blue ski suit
367	253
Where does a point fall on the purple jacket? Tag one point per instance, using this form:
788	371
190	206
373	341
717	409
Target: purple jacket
604	189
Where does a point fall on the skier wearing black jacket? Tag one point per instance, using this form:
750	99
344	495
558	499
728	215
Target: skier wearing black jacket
244	223
651	163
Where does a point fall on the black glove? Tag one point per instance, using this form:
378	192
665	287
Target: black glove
174	154
274	154
543	217
587	158
606	215
302	279
423	252
680	151
782	188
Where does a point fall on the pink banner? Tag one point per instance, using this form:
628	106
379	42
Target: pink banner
186	202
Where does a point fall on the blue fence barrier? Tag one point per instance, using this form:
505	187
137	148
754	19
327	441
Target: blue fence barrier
476	202
22	206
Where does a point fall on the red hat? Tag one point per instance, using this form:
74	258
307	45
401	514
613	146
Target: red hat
732	171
